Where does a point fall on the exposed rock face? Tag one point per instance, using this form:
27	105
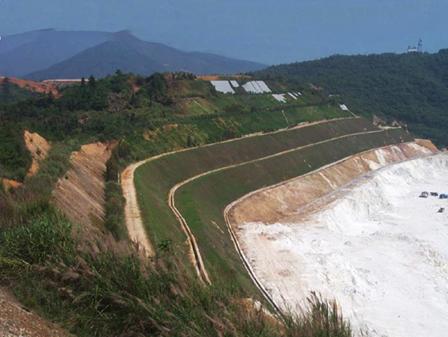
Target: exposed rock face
38	147
289	198
80	193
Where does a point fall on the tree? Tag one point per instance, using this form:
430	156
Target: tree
92	82
6	86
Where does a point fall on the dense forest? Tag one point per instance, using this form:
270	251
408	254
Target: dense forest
410	88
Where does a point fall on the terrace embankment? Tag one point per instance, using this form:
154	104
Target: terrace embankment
294	198
155	177
202	199
80	192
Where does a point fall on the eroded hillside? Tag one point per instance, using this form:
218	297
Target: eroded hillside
38	148
80	192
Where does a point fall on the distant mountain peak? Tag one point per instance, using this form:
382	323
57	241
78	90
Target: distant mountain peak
52	54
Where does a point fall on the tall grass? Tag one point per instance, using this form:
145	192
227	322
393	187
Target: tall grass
103	292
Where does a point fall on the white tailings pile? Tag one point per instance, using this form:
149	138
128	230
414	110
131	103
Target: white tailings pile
378	249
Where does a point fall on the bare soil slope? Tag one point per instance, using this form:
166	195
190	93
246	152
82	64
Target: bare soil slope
292	197
9	184
80	193
15	321
38	147
133	218
39	87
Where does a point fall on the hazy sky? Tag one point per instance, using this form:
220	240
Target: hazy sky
261	30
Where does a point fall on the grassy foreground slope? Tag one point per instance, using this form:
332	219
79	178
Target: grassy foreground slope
155	179
202	201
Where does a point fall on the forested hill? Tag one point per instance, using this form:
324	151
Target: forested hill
411	88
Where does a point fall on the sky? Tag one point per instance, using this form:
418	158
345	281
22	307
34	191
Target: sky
266	31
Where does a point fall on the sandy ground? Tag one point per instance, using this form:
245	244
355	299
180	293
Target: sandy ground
38	148
291	198
80	192
15	321
272	203
133	217
377	248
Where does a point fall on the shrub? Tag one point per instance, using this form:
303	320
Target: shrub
38	241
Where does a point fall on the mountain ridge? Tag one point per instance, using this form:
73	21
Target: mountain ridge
54	54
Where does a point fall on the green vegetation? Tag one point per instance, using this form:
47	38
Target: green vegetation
33	199
88	281
152	115
411	88
202	201
107	293
93	281
114	220
156	178
14	157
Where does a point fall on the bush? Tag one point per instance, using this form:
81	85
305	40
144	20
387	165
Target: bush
114	219
39	240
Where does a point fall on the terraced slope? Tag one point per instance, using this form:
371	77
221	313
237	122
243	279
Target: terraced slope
202	201
155	179
158	180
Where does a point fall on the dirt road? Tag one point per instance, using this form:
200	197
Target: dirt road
133	217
